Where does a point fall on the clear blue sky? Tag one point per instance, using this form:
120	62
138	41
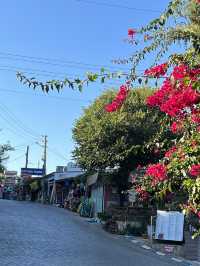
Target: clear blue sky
69	30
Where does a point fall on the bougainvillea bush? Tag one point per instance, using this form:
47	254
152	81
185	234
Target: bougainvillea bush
176	178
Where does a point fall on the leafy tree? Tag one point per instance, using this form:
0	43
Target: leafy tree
4	148
124	138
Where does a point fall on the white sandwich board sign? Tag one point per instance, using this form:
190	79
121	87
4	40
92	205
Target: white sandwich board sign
169	225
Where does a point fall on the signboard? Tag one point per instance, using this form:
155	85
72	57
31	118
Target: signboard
169	226
10	173
32	171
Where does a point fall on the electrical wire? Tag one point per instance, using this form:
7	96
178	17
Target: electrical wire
58	154
117	6
13	129
19	124
44	95
54	151
55	62
16	159
45	73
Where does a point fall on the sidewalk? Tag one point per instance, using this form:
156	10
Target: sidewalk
139	242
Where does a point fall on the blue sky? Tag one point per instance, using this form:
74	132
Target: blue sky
64	32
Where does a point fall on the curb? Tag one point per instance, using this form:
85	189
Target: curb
142	245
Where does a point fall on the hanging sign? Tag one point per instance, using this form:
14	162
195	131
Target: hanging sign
32	171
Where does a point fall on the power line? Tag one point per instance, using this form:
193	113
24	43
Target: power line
23	145
54	62
117	6
13	129
54	151
18	122
57	153
17	158
44	95
33	71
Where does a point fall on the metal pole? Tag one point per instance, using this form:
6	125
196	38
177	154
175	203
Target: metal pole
27	154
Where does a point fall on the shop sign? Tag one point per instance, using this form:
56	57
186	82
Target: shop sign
32	171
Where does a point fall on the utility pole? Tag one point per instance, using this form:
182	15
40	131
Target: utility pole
27	154
45	155
44	166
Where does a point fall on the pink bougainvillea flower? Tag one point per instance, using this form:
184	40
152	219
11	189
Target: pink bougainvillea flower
195	170
171	98
158	172
170	152
176	127
195	116
143	194
159	97
179	72
131	33
119	99
157	71
194	144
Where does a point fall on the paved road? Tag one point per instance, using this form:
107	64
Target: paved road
39	235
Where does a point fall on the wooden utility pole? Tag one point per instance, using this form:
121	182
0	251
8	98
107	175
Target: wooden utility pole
44	167
45	155
27	154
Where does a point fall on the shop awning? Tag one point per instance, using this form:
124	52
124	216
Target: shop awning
92	179
67	175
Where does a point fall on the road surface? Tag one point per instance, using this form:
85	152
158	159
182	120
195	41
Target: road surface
32	234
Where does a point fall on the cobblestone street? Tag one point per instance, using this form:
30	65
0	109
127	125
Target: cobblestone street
39	235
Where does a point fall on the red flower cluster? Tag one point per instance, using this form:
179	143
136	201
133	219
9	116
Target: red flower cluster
158	172
195	170
119	99
179	72
194	144
131	33
176	127
157	71
159	96
180	100
195	116
143	195
192	209
173	99
170	152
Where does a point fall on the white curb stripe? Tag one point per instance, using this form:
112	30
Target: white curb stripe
146	247
160	253
128	236
134	241
177	260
